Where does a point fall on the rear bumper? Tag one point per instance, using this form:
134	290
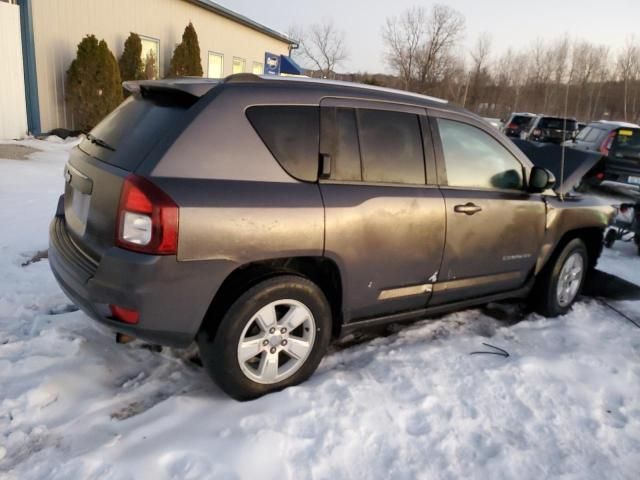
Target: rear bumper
172	297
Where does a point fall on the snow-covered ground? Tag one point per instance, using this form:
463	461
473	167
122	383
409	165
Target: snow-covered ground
415	404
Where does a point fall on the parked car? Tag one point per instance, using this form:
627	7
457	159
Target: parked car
548	129
494	122
516	123
264	216
619	143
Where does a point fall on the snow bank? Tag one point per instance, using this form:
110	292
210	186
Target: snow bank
415	404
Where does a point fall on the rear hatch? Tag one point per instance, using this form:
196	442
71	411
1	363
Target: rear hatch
557	129
96	169
517	123
623	160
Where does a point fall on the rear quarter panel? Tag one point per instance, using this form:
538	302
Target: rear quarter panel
237	204
243	221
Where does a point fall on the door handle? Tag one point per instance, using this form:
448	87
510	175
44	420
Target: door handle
467	208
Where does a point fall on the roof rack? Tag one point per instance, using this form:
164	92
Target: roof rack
252	78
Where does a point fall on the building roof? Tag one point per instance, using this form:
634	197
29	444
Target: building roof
246	21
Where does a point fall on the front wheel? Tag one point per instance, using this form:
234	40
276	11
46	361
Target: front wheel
273	336
610	238
560	282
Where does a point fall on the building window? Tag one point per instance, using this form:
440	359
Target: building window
150	57
258	68
216	65
238	65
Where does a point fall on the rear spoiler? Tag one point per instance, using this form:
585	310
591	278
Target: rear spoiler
196	87
577	163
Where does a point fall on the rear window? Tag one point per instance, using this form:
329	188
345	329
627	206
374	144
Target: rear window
557	123
292	135
521	120
128	134
627	142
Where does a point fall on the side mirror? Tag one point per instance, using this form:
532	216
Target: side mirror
540	179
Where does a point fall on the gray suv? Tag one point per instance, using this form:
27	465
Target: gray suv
264	216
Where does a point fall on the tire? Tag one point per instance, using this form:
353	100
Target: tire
258	317
610	238
545	297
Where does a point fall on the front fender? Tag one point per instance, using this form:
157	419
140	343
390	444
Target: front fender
573	214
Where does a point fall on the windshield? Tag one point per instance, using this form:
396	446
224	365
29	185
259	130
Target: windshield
557	123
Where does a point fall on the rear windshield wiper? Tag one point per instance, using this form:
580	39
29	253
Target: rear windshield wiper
97	141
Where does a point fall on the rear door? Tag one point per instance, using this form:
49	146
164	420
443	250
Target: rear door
384	224
494	227
116	147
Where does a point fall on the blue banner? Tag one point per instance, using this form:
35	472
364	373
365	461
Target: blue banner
271	64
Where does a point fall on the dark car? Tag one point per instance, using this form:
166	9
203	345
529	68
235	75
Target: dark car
517	123
546	129
619	144
263	216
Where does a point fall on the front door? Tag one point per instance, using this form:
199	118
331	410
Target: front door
495	227
384	226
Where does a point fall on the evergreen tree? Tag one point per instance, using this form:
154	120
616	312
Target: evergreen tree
94	87
186	57
131	65
150	67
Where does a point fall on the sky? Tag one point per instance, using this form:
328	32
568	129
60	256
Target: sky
513	23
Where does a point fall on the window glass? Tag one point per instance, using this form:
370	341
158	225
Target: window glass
584	133
258	68
347	153
132	129
292	134
594	135
521	121
238	65
216	65
552	123
150	57
626	143
475	159
391	147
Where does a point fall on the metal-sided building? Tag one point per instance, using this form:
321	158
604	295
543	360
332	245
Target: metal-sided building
51	30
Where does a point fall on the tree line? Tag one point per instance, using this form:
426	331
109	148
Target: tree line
424	50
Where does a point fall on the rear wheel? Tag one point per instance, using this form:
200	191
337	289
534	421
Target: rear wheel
560	282
273	336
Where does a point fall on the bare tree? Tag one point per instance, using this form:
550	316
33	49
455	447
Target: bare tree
419	44
322	46
480	59
444	27
404	37
628	68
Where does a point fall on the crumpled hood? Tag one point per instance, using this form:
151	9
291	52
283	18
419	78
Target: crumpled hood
548	155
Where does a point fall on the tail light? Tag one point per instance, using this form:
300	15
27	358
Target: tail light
125	315
147	218
606	144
